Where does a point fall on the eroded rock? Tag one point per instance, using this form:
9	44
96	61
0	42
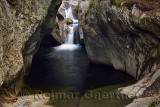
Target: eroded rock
69	21
145	102
122	37
20	34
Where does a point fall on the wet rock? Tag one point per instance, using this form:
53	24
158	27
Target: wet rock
76	35
145	102
29	101
64	24
140	89
64	5
49	41
60	31
69	21
83	7
60	17
57	31
75	7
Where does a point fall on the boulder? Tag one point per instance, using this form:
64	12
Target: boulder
125	35
69	21
22	25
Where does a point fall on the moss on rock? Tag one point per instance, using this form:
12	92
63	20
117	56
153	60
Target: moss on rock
91	5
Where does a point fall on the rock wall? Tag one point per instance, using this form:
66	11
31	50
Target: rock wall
83	7
21	22
123	35
57	31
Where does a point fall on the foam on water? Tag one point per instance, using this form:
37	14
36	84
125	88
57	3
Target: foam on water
67	47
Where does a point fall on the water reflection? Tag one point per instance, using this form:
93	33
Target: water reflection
68	66
62	66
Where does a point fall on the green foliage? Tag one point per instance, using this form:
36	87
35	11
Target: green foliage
151	104
146	1
154	103
91	5
118	3
145	19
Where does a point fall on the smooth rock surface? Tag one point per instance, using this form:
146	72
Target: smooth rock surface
126	38
69	21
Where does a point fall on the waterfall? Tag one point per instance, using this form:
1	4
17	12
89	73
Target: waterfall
70	36
69	13
69	43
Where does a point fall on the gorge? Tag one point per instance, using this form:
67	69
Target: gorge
70	46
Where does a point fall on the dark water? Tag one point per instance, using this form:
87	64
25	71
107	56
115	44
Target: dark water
59	67
101	75
69	66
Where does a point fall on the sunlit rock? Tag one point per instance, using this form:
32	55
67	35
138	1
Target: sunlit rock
69	21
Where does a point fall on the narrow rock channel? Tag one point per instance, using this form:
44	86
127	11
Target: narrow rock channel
67	69
79	53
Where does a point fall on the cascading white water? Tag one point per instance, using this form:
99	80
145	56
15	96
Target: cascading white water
69	13
70	36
